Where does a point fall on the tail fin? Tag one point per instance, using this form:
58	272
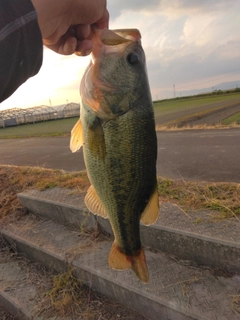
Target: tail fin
119	260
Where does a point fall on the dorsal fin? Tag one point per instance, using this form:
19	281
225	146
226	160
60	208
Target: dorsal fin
76	137
94	204
151	212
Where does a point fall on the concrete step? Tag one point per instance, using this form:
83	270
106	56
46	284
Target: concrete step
195	236
18	294
176	290
24	284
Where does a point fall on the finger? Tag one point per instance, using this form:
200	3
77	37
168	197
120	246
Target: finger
103	21
84	48
64	46
82	31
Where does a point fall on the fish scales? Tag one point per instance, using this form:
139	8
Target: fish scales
117	132
125	178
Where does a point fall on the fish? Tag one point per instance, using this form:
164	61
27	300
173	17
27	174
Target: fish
117	132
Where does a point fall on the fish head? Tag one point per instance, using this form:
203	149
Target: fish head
116	75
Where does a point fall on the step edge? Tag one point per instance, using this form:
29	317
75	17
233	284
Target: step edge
13	306
65	263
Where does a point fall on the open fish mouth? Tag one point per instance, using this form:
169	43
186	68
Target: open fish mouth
113	40
119	36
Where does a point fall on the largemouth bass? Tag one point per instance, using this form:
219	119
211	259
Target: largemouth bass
117	132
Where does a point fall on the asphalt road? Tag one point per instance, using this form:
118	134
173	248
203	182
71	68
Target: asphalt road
203	155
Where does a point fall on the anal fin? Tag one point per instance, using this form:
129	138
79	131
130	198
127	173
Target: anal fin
94	204
151	212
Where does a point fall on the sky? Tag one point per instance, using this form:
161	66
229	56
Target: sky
189	44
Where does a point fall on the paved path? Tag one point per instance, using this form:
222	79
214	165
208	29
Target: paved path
205	155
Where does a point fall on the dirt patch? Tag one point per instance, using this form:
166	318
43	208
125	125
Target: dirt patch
218	116
206	117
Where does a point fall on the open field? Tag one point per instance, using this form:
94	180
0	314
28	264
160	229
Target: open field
173	105
187	110
40	129
168	112
235	118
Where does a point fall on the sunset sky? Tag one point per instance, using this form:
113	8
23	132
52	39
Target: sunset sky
189	43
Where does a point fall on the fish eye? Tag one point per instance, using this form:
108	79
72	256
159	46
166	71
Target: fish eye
132	59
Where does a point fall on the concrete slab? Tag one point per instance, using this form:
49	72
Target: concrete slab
17	293
193	236
176	290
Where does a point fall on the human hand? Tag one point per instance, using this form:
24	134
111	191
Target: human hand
66	25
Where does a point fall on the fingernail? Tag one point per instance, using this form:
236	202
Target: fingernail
83	53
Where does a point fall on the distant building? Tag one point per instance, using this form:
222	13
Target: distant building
17	116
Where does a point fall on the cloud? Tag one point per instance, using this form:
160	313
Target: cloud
172	9
188	43
117	7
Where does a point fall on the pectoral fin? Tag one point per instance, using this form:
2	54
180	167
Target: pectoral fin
76	137
151	212
119	260
94	204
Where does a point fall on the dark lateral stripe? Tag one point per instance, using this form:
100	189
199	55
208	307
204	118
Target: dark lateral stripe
130	235
17	24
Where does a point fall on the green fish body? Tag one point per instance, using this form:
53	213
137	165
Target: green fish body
117	131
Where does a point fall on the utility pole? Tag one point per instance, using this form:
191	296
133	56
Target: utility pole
174	92
50	102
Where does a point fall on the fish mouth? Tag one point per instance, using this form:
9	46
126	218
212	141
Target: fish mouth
113	40
119	36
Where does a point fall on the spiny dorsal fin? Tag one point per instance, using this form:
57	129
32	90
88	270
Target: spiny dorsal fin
119	260
76	137
94	204
151	212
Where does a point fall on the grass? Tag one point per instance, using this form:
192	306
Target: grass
175	127
233	119
14	180
66	295
63	294
63	127
59	294
173	105
52	128
223	198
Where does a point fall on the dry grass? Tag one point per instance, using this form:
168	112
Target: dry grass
63	295
236	303
68	298
221	197
176	127
14	180
58	294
